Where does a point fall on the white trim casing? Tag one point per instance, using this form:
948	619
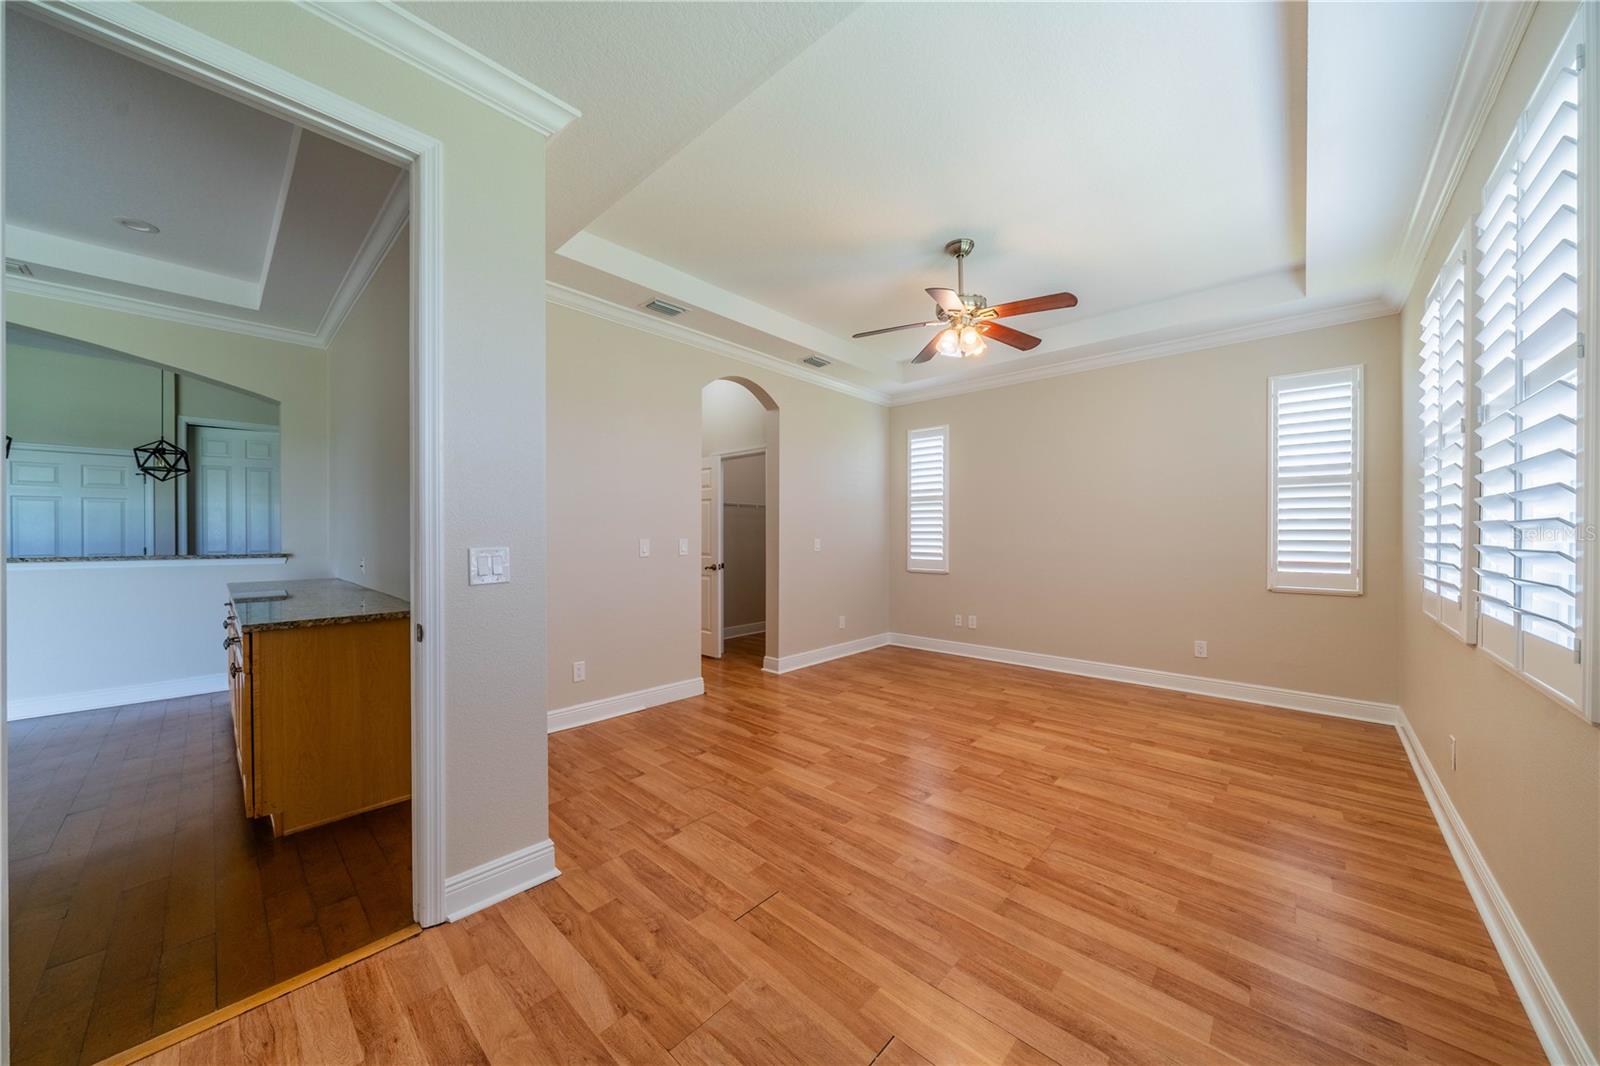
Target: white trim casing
116	696
1241	691
627	703
802	659
498	879
406	37
1552	1021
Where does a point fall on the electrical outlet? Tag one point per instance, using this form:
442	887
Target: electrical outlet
363	566
841	621
816	544
1452	751
683	545
958	620
972	621
644	547
1199	649
580	671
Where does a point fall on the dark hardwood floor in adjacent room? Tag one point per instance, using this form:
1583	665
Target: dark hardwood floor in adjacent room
141	896
901	857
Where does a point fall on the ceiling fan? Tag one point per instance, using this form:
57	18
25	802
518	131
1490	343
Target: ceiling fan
968	319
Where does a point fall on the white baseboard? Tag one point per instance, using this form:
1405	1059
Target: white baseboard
118	696
801	659
1243	691
1556	1028
748	629
498	879
627	703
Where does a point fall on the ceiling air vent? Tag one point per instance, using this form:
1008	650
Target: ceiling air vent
19	268
816	361
661	307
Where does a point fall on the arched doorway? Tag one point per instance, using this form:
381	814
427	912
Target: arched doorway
738	523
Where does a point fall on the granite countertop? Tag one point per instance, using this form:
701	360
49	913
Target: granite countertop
138	558
322	601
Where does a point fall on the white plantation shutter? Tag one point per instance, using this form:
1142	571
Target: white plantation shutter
1315	475
927	500
1528	381
1446	532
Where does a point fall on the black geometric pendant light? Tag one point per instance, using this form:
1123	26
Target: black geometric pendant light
161	459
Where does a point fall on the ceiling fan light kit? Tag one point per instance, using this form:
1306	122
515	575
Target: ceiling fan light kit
969	320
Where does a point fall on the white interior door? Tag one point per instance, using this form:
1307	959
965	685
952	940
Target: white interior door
64	501
711	558
234	486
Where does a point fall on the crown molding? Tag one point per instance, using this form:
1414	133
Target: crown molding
564	296
130	305
428	48
1275	326
381	235
1492	43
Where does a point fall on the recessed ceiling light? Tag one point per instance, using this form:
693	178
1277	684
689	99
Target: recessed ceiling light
139	225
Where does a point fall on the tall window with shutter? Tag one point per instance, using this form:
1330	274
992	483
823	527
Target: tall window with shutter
928	500
1315	482
1446	456
1529	377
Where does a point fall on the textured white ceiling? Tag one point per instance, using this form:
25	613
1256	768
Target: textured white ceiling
647	77
92	135
790	173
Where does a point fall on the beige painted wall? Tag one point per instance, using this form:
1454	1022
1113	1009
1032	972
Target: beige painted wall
1527	780
1119	515
369	433
744	538
625	420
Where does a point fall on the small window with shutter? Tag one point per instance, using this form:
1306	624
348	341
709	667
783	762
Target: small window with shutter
1314	476
928	500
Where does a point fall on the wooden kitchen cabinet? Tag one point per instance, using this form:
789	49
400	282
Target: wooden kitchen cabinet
321	710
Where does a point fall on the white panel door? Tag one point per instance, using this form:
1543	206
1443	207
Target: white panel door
711	558
73	502
233	502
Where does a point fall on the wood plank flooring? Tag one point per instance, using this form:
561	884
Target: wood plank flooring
141	896
903	858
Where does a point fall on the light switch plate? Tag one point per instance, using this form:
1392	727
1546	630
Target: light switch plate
816	544
644	547
683	545
488	566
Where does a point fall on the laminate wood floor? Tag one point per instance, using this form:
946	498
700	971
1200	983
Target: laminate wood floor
141	896
901	857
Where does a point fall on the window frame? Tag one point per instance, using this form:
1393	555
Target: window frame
942	565
1352	584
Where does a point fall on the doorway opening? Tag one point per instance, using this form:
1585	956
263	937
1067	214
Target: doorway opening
738	526
200	819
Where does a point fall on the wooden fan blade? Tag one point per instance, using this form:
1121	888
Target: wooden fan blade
895	329
948	299
1038	303
929	350
1006	335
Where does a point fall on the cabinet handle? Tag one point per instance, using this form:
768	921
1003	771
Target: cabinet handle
230	642
234	669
